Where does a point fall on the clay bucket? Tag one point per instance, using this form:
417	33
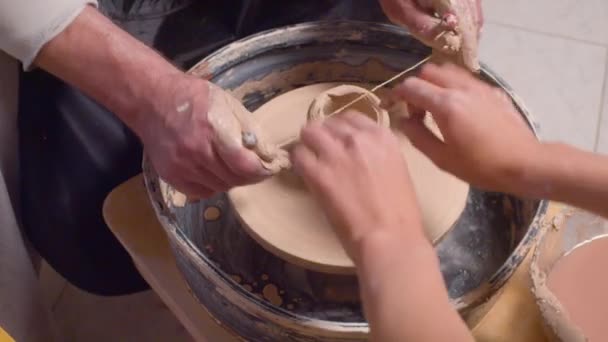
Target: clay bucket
223	265
575	229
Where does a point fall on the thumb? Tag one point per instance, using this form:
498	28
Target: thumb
241	161
424	140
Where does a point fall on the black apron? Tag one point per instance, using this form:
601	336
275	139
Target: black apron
74	152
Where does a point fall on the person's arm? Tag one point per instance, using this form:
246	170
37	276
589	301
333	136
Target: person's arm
109	65
358	174
566	174
26	25
167	109
487	144
403	291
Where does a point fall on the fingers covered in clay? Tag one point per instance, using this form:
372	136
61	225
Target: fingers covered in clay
451	27
418	19
181	142
235	126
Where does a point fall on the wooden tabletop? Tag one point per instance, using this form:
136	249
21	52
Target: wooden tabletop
511	316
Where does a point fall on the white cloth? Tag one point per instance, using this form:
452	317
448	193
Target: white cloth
25	26
23	314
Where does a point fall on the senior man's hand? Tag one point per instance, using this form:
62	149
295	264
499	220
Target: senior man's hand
185	146
166	108
422	17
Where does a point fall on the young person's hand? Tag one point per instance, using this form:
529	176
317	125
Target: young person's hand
358	173
486	142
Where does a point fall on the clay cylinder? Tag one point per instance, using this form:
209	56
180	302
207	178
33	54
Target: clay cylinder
333	101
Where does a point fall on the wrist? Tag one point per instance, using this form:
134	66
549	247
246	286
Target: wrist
533	177
159	97
391	244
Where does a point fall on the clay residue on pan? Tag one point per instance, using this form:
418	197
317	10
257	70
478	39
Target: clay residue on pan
555	316
212	213
271	294
172	196
579	284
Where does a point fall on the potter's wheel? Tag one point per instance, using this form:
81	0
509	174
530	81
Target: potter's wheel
264	298
282	216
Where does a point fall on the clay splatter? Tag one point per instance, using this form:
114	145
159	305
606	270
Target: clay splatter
271	293
212	213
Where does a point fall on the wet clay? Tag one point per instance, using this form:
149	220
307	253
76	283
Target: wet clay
271	294
212	213
235	127
282	216
579	282
333	100
457	36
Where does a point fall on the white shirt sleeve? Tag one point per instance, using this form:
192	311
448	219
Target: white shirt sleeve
26	25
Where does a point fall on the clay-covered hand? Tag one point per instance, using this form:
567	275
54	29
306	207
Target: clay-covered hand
486	142
448	26
357	172
185	145
427	18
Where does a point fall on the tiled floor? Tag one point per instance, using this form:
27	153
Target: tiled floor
554	53
81	316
